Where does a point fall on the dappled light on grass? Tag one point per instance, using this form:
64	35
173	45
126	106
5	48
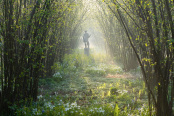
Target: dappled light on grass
126	76
128	62
87	90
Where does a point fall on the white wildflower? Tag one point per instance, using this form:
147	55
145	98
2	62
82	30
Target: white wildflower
34	110
91	110
101	110
40	96
74	104
66	109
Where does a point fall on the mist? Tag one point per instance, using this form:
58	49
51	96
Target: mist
86	57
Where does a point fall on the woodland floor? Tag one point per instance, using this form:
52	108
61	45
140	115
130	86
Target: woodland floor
89	87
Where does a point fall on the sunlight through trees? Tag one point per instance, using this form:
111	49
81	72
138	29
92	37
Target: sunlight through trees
41	42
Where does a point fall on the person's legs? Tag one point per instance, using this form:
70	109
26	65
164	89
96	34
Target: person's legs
88	43
85	44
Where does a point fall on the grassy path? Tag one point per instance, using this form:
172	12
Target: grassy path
90	89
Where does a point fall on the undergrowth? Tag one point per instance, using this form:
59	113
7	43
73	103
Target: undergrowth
79	87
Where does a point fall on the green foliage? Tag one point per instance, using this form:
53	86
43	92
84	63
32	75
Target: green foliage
103	70
114	70
146	36
114	91
116	110
95	71
71	65
84	93
37	39
57	77
72	109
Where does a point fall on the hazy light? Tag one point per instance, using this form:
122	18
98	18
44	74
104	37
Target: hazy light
91	25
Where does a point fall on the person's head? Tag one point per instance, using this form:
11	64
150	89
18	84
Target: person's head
85	31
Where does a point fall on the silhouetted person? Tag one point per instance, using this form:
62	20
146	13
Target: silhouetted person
85	39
